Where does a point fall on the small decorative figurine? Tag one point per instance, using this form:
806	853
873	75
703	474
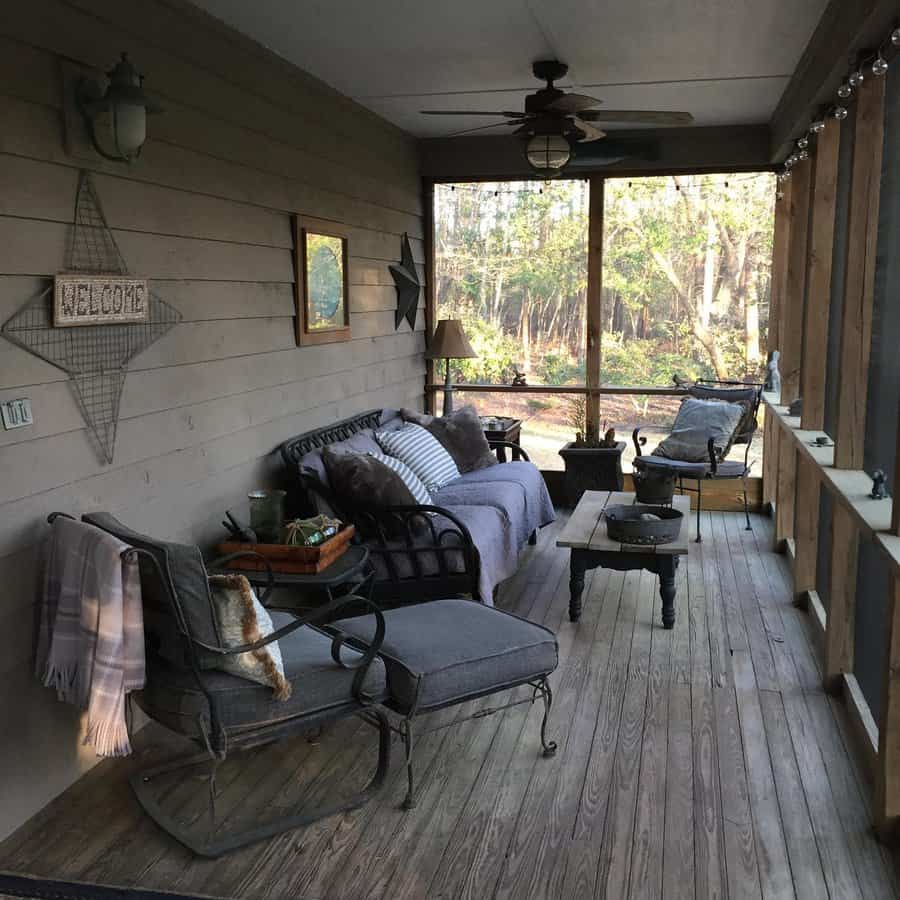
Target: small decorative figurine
879	485
609	437
773	376
796	407
519	378
680	382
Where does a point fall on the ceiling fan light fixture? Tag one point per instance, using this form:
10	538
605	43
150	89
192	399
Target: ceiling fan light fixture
548	153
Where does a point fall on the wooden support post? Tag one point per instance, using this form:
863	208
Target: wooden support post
430	296
771	431
859	280
806	527
784	499
594	300
780	244
794	299
895	485
887	772
841	625
818	293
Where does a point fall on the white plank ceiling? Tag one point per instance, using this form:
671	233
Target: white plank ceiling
724	61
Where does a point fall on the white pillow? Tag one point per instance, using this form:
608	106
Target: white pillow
407	476
422	452
243	619
698	421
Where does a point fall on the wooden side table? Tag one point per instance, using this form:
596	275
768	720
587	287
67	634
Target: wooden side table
592	469
503	428
350	571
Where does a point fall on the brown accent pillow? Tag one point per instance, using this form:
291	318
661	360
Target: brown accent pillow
460	434
361	480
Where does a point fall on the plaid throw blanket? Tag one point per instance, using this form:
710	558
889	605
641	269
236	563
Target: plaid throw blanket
91	638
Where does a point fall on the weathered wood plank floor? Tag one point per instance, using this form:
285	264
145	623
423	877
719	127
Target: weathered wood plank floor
699	762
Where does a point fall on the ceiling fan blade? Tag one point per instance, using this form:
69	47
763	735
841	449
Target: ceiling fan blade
572	103
478	128
471	112
590	133
637	116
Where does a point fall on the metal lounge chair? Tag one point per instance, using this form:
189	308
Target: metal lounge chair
223	713
716	467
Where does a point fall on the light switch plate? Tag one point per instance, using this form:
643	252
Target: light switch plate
16	413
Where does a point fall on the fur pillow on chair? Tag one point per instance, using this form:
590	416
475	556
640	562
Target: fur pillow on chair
460	434
698	421
243	619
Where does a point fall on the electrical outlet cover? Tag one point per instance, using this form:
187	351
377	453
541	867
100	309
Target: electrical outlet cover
16	413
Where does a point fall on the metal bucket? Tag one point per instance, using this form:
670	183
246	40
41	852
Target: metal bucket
625	525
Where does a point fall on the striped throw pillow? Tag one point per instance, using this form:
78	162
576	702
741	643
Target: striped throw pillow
407	476
422	452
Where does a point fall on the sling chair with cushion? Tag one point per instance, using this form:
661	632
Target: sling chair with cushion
702	436
188	692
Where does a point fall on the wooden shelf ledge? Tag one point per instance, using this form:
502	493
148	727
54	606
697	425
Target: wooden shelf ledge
851	487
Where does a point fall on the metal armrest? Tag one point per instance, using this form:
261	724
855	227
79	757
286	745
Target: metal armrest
405	516
638	441
713	453
516	448
270	575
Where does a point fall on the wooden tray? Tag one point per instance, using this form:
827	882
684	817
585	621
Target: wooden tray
290	559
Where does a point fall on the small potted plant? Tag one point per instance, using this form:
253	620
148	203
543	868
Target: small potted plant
592	463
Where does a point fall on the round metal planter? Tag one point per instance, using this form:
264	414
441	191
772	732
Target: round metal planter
625	525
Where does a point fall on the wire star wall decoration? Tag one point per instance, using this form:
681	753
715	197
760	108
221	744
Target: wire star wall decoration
94	356
408	285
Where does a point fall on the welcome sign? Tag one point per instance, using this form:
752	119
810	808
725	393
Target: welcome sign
80	299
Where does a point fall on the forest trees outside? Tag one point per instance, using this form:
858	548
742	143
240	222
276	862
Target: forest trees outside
686	284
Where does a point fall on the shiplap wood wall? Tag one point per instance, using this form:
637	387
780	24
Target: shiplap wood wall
245	141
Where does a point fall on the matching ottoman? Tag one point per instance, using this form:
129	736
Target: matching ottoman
445	652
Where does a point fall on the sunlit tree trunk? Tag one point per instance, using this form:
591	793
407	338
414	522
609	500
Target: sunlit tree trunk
525	331
709	272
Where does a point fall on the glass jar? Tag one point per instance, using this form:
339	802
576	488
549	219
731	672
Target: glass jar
267	515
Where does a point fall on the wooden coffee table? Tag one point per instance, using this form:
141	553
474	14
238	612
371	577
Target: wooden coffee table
585	536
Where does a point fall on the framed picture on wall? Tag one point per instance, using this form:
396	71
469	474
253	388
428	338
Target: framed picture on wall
322	281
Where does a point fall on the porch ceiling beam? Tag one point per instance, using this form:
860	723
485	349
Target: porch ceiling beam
844	30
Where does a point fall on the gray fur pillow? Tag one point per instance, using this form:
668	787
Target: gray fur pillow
359	479
460	434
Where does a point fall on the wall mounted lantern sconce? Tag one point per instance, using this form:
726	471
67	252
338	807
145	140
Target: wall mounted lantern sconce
116	118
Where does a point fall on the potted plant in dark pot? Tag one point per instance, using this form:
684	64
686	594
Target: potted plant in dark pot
592	463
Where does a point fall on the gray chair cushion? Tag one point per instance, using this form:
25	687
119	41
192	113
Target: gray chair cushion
442	652
746	395
729	468
697	422
172	696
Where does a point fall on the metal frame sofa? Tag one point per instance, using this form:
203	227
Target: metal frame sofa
418	552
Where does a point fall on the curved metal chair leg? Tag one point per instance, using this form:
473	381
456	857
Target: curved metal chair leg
223	840
409	801
547	694
699	505
748	527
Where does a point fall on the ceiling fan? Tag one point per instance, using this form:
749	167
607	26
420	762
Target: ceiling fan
553	120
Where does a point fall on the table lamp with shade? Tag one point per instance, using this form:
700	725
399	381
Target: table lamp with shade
449	342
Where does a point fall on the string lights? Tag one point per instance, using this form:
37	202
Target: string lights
875	64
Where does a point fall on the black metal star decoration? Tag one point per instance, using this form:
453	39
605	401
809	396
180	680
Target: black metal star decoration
408	285
94	356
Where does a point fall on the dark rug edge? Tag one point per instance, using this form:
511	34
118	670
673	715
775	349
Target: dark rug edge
34	888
